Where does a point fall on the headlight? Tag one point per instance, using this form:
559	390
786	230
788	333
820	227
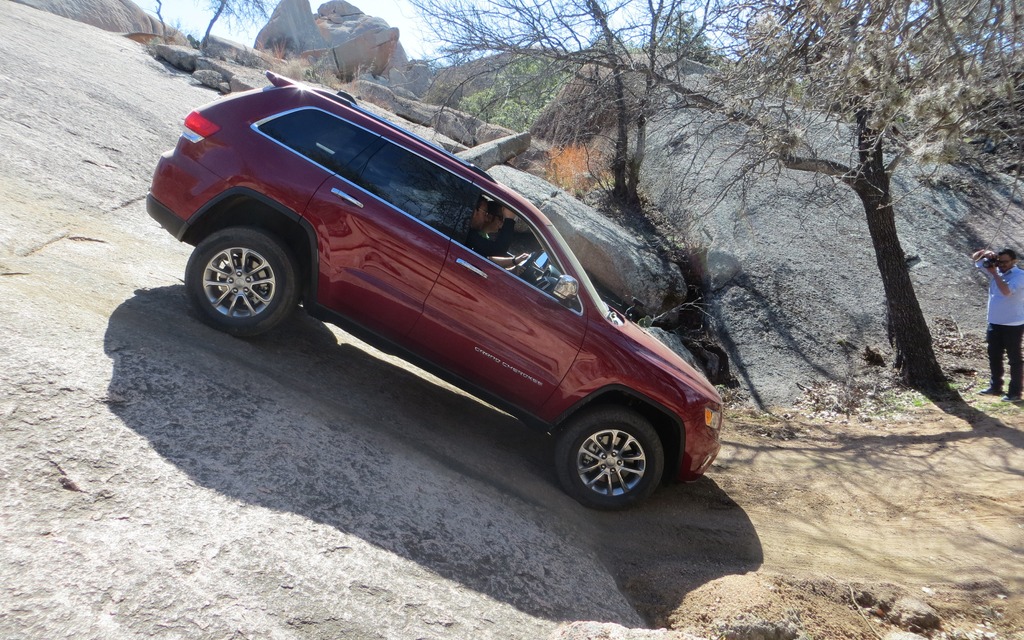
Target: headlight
713	418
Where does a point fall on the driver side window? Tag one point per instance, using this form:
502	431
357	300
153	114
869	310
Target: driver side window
527	257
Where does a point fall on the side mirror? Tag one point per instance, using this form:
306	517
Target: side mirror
566	287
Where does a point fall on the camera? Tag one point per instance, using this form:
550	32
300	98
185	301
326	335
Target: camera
988	263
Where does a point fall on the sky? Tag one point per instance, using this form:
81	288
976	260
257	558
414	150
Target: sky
193	16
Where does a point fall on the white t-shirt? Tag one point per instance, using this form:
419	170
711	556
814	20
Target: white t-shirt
1005	310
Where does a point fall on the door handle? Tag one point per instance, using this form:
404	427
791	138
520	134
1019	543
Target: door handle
478	272
347	198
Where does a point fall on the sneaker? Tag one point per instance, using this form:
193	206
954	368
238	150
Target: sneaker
991	391
1010	398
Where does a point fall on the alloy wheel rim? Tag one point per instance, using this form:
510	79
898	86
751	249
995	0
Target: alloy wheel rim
239	282
611	462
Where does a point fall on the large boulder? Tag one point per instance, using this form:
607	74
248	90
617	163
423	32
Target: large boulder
367	52
414	76
497	151
360	43
290	30
468	130
339	31
408	109
181	58
222	74
363	44
231	51
340	21
425	132
119	16
614	258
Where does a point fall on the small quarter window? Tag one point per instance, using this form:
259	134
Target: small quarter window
334	144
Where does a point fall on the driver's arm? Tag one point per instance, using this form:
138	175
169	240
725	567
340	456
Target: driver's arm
509	262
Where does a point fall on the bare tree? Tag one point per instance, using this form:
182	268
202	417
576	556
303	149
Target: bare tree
241	12
163	26
905	77
633	45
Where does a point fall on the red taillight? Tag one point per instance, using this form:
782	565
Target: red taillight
200	126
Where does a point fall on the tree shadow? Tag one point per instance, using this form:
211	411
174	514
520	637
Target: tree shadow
943	484
984	424
793	338
875	450
335	432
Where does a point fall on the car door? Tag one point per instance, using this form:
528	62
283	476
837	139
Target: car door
391	243
377	263
497	331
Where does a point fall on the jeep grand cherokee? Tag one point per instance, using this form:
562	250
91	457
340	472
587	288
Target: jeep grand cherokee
295	194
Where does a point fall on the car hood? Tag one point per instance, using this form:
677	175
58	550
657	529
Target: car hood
662	357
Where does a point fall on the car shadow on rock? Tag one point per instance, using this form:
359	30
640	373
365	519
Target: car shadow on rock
683	537
300	422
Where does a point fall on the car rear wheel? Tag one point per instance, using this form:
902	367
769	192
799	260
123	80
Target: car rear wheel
609	458
242	280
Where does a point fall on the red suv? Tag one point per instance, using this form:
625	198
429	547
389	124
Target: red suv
294	194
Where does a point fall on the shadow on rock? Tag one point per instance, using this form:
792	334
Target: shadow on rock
683	537
299	422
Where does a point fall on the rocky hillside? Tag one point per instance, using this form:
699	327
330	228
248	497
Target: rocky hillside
791	291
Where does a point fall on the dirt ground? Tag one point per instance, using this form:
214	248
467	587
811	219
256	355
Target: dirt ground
159	479
925	503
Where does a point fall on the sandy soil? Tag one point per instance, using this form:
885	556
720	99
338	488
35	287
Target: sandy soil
925	504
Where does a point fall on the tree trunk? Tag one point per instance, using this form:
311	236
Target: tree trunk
908	330
619	163
636	161
209	27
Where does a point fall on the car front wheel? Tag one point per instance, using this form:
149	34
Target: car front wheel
609	458
242	280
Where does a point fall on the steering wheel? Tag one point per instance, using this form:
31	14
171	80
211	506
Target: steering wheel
529	271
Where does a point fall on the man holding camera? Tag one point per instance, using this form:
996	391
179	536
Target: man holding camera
1005	319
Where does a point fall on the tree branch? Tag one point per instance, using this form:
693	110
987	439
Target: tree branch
818	165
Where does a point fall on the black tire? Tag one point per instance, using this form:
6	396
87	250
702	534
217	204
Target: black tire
609	458
254	295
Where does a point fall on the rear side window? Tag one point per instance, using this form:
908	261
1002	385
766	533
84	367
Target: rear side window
407	181
325	139
421	189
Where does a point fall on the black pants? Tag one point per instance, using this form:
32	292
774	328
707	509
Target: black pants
1006	339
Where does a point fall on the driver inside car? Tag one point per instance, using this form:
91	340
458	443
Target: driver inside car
491	229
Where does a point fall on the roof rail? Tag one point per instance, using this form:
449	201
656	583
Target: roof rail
283	81
277	80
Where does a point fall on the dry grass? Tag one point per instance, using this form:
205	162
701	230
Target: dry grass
279	50
320	71
574	169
